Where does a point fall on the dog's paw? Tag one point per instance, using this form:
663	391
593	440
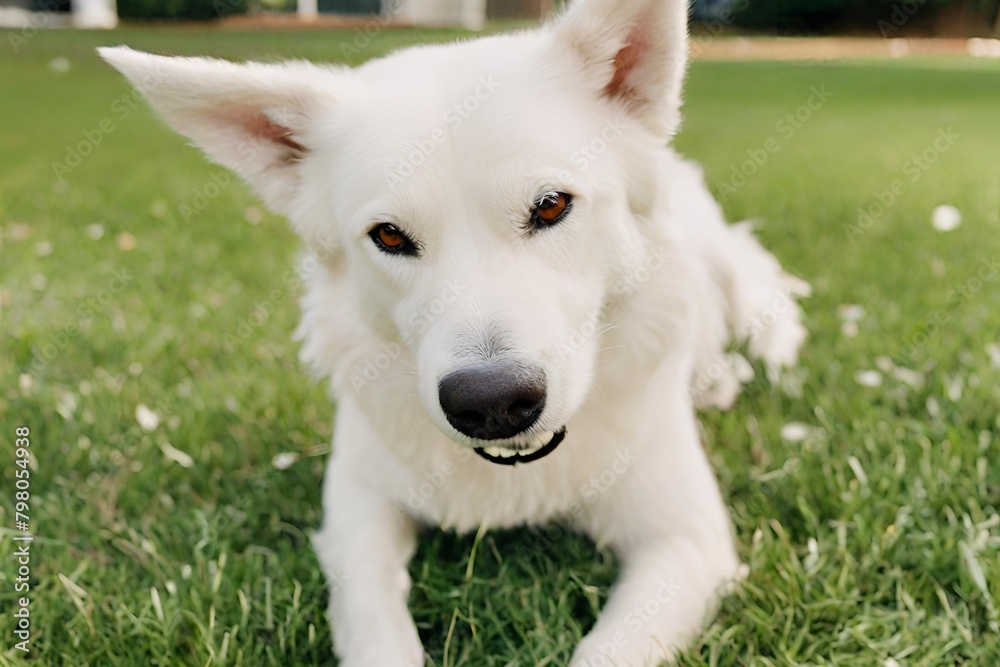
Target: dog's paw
717	384
617	651
377	637
777	334
763	300
389	652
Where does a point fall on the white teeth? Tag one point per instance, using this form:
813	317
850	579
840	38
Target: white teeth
540	441
501	452
536	443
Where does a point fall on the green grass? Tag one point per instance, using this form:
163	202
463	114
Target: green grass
898	486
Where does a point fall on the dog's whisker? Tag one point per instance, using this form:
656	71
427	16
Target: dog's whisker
614	364
401	373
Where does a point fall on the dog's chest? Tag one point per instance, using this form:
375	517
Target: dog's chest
459	490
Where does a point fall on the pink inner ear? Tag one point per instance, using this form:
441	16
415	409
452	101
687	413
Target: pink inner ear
627	60
266	129
260	126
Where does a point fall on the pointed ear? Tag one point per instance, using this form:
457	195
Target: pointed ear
633	51
251	118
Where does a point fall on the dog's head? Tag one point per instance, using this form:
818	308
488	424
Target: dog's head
485	197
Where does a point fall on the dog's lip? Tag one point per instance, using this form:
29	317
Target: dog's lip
516	457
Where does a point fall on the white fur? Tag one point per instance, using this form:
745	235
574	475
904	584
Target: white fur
628	305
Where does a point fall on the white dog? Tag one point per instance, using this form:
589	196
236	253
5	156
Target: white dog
516	288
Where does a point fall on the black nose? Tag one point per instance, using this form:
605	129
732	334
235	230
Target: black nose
492	401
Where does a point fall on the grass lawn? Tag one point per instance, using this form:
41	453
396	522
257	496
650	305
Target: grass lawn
872	541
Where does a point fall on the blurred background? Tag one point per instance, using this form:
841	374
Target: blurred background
935	18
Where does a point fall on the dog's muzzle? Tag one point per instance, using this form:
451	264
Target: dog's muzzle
499	400
543	445
492	400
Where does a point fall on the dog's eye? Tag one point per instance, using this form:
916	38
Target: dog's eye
550	209
389	238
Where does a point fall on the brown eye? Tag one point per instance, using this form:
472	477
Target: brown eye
550	209
391	239
390	236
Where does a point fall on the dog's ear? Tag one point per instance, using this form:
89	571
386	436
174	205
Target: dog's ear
634	51
251	118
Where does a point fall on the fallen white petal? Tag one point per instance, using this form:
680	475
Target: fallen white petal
157	605
954	388
859	472
933	407
868	378
159	208
946	218
974	568
60	65
147	419
795	431
284	460
182	459
909	377
993	349
851	312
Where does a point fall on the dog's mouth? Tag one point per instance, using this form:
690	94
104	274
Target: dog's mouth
507	455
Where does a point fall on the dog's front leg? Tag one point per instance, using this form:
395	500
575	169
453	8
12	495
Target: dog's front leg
364	546
665	519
